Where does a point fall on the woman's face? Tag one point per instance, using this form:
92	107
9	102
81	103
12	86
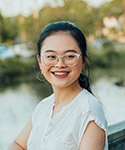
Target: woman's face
61	75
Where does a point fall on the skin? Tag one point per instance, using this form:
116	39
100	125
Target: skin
20	142
63	86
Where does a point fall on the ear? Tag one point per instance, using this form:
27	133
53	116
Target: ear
86	58
39	61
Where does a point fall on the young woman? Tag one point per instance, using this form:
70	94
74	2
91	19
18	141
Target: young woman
71	118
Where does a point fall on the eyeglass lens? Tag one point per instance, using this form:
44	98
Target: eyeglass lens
51	59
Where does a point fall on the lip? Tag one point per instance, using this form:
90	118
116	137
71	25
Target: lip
60	74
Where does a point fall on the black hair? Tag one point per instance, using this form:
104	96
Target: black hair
75	32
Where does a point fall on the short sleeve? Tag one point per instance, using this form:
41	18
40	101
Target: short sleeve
95	114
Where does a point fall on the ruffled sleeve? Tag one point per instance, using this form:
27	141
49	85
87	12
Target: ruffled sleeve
95	113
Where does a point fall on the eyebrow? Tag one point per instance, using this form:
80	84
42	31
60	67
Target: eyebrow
70	50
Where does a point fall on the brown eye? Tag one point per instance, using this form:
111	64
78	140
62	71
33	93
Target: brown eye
51	56
70	56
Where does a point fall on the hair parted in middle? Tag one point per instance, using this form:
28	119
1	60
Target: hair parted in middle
76	33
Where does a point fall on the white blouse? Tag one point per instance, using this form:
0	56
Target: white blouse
64	131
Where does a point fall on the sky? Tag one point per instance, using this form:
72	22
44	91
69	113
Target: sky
10	8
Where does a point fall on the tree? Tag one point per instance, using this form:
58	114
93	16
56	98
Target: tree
76	11
8	29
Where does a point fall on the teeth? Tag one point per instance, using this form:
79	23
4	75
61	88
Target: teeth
60	73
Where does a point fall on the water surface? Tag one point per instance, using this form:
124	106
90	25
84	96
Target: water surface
17	105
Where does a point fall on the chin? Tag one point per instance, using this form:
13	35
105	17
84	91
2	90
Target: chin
59	86
62	85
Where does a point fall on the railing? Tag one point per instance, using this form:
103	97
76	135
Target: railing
116	136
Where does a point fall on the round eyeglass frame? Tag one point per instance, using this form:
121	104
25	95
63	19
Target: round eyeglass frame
44	53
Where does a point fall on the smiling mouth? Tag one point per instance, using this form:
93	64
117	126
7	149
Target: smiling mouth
60	73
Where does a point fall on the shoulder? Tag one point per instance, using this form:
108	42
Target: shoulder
89	109
88	102
44	102
41	107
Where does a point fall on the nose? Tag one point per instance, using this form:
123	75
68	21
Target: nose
60	63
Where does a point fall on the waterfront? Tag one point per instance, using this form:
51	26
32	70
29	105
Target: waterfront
17	105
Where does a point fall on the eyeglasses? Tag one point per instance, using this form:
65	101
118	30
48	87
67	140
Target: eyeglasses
70	59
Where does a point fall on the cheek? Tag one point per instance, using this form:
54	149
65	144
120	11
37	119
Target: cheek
77	70
45	72
79	66
43	68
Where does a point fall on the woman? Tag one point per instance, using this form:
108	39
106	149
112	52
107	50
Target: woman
71	118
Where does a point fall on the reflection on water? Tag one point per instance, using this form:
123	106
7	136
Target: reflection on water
17	105
113	99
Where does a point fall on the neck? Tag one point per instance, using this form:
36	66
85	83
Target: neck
65	95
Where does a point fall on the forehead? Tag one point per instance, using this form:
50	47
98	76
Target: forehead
60	42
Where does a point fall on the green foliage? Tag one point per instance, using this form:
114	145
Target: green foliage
107	59
8	29
88	18
13	70
113	8
16	70
108	45
112	57
76	11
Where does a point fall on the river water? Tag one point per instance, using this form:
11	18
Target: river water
17	105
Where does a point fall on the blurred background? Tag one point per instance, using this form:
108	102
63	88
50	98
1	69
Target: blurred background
102	22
